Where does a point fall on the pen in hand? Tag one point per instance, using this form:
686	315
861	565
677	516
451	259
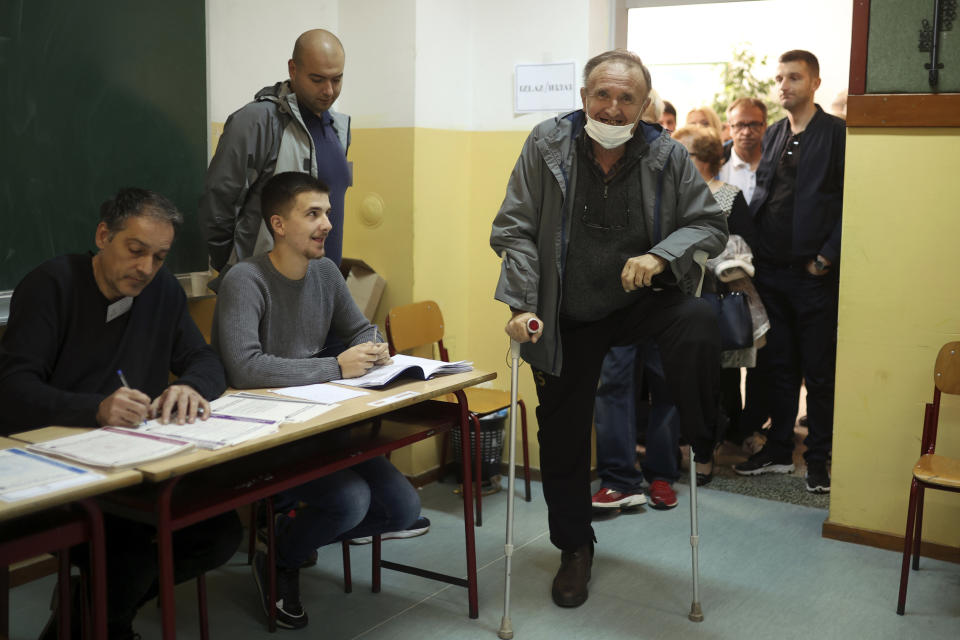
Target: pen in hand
123	381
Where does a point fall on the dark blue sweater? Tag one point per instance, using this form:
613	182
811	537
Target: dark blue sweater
59	357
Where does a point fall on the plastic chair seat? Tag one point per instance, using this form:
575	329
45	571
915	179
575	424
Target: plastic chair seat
938	470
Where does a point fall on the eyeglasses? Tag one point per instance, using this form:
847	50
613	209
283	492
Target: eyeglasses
602	95
740	126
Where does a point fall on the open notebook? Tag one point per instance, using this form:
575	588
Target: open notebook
408	367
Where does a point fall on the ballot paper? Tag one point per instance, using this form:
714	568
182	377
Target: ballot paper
324	393
215	432
252	405
112	447
407	366
28	475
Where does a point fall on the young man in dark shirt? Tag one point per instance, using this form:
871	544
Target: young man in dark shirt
796	212
75	322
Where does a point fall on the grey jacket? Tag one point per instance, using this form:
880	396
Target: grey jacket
532	228
263	137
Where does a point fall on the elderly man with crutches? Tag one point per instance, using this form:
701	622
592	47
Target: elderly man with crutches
598	232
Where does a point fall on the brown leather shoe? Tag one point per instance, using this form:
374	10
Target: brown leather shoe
570	584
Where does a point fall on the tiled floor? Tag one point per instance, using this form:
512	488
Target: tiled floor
765	572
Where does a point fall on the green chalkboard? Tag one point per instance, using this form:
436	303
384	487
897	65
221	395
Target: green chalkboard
96	95
894	62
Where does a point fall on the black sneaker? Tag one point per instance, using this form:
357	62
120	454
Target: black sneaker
764	461
418	528
818	479
290	613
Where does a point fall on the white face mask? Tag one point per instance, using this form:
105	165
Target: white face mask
609	136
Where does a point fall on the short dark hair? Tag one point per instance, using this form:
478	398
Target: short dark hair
799	55
669	108
282	189
756	103
628	58
133	201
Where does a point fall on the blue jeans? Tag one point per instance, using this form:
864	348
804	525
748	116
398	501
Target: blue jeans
368	499
615	420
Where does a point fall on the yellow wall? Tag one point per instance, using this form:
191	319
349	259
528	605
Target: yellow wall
899	302
441	190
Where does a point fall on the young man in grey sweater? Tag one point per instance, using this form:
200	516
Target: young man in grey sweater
273	315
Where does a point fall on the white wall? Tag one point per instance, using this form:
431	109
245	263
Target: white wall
425	63
249	43
707	33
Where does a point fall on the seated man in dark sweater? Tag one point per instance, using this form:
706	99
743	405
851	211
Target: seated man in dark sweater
75	321
274	313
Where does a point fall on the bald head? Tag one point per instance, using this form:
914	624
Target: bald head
317	40
316	70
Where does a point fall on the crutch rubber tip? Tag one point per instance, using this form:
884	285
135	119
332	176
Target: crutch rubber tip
696	613
506	629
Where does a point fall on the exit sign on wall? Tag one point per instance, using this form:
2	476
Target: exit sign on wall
545	87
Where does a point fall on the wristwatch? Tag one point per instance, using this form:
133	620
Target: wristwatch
820	265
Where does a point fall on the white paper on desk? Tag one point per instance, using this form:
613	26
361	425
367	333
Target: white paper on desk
26	475
112	447
251	405
325	393
215	432
410	366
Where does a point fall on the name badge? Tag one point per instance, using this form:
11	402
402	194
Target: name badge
119	308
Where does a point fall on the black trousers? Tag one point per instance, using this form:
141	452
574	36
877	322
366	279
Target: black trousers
132	576
685	330
801	348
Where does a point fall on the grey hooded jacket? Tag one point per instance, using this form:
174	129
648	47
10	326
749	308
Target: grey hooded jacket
532	228
264	137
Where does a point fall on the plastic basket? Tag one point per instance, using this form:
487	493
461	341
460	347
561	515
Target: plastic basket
491	445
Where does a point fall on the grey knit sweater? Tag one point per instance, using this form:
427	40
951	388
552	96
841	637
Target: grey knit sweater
270	330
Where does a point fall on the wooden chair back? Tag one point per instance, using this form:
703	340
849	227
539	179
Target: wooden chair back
414	325
946	372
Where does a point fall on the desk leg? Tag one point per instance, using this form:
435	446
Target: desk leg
4	601
468	506
98	567
165	559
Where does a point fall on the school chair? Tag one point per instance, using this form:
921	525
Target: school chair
420	324
932	471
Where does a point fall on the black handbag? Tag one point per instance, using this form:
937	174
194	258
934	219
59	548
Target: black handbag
733	316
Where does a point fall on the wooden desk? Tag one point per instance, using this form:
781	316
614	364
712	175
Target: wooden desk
233	476
54	522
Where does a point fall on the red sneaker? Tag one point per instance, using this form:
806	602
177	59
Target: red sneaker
662	495
613	499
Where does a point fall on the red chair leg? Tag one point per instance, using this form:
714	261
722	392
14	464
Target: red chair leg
252	543
477	464
4	601
63	592
375	582
917	535
526	451
444	443
907	546
202	606
271	568
347	573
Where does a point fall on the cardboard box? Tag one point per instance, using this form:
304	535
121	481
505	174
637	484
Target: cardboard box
366	285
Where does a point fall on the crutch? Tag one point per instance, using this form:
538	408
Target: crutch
696	613
506	627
